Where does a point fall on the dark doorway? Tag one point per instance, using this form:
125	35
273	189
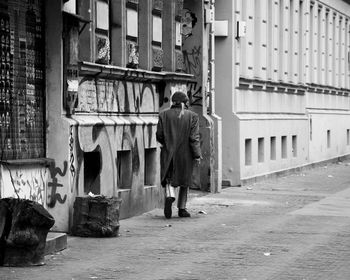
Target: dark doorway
92	170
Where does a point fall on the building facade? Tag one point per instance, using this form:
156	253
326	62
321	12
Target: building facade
282	84
82	83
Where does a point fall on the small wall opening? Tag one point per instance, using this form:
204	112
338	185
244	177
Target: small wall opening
248	151
273	148
294	146
261	147
284	146
310	128
328	138
124	169
348	137
92	170
150	166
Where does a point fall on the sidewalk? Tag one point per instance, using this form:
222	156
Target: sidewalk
293	227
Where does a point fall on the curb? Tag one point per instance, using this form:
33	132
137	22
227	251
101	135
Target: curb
55	242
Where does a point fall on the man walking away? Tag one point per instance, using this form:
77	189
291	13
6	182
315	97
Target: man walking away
178	133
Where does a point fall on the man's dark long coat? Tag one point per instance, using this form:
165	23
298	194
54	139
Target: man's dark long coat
179	137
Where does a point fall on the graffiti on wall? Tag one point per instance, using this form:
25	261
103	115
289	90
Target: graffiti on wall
130	138
192	64
188	21
71	152
116	96
121	149
192	61
118	144
52	195
194	88
28	183
194	92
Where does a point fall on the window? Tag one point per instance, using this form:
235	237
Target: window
328	138
102	47
157	30
306	42
248	151
132	33
124	169
178	40
178	65
102	16
150	166
284	146
94	40
310	127
70	6
157	36
348	137
294	146
273	147
132	23
261	147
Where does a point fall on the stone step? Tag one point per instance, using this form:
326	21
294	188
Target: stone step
55	242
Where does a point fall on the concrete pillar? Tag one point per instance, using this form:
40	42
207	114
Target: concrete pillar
57	136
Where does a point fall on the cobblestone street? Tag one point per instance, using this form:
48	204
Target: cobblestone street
293	227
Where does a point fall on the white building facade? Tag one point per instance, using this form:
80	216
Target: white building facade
282	84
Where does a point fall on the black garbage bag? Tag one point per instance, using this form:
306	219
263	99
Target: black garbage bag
24	225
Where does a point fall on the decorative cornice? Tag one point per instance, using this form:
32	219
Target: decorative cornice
299	89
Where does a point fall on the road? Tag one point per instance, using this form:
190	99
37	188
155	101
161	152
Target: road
292	227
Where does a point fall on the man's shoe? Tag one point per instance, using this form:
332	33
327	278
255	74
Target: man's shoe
184	214
167	207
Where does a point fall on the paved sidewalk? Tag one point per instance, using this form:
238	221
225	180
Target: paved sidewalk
293	227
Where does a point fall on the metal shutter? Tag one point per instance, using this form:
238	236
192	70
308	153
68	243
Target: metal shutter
22	79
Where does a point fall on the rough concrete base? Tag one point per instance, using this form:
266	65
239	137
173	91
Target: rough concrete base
285	172
55	242
152	197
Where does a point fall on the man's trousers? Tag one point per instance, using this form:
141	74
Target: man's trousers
182	195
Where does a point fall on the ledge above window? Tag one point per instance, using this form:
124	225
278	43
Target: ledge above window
117	72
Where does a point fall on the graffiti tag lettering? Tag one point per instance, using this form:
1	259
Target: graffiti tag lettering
194	93
192	61
116	96
54	196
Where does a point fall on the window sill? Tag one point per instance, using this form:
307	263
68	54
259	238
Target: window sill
117	72
28	162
